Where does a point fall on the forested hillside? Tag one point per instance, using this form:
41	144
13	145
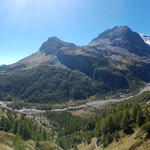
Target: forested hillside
108	124
46	84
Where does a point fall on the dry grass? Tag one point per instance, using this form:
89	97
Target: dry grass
48	145
6	143
85	112
5	147
135	141
91	146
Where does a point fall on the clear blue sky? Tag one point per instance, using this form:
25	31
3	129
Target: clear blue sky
26	24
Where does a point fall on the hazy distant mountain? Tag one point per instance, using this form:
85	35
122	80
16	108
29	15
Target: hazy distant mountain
2	65
117	60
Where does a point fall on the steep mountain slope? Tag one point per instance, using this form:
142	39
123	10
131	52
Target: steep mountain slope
48	53
117	60
46	84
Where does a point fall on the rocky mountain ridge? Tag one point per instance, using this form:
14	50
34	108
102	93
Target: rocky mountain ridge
119	44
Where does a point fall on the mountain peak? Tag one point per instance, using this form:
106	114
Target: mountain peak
114	33
122	38
122	27
117	35
53	44
54	38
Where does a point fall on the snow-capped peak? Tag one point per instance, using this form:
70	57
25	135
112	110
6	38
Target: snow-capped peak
146	38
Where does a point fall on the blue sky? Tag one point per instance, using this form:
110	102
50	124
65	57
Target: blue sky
26	24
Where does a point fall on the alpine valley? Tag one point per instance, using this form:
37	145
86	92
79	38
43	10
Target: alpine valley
69	97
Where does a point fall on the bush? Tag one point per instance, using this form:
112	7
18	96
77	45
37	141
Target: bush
146	128
135	145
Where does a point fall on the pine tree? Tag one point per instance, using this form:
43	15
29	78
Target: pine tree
108	138
37	144
103	126
134	112
2	123
6	125
97	130
15	127
125	121
26	132
44	134
116	136
20	129
75	148
139	117
117	119
18	143
110	124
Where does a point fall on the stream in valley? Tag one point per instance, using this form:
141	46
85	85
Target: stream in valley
88	104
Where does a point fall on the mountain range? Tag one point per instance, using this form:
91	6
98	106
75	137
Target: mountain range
116	61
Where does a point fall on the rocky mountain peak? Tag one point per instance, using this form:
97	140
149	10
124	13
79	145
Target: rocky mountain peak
121	37
54	39
53	44
118	33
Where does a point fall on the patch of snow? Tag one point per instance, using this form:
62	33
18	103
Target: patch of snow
146	38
